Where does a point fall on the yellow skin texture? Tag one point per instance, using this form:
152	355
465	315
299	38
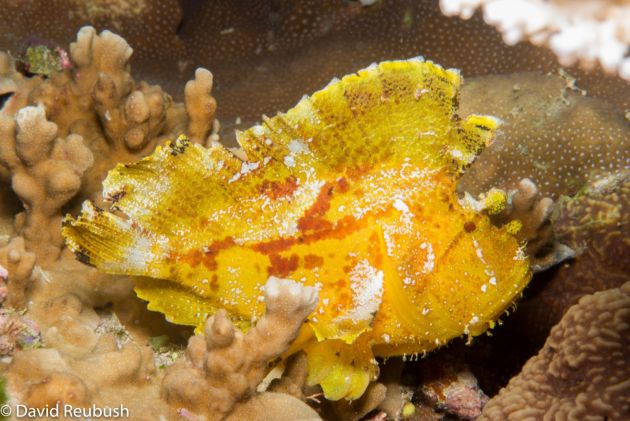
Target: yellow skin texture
351	191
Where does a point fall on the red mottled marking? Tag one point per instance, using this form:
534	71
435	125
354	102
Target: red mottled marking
275	246
191	258
344	299
207	256
358	171
376	251
312	261
211	252
343	185
313	219
469	226
344	227
275	190
313	222
214	283
341	229
282	266
341	284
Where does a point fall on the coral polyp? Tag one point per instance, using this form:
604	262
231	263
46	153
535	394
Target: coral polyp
351	192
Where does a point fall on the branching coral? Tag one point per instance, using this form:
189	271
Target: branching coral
532	215
94	108
225	366
17	266
530	211
593	31
132	115
582	371
45	172
293	379
200	106
120	118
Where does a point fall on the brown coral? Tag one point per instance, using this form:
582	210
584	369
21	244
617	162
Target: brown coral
225	366
582	371
78	366
200	106
45	172
592	32
596	224
532	213
551	133
19	265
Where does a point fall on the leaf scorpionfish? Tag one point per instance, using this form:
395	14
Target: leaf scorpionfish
351	191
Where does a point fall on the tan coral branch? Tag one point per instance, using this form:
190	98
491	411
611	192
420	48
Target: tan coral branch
200	105
19	265
225	366
46	173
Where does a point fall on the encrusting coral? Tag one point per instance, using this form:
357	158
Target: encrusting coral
582	371
224	366
552	133
587	31
314	182
77	366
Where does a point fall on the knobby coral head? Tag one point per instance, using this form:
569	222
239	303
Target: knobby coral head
351	192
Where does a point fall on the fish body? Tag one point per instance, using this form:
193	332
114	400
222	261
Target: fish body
353	192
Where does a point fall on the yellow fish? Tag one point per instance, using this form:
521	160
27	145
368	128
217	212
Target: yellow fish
351	191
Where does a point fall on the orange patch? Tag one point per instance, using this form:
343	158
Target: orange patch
207	255
214	283
275	190
312	261
275	246
282	266
313	219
